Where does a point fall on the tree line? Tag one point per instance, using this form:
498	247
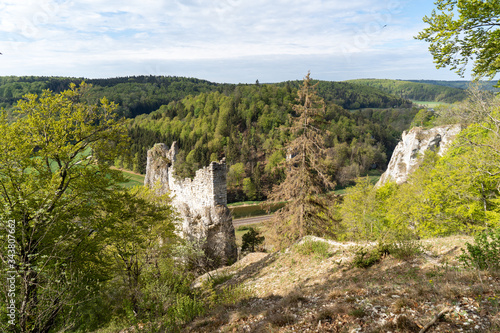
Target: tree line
418	91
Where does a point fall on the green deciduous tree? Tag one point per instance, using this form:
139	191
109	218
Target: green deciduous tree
307	175
54	176
364	211
138	230
236	174
465	31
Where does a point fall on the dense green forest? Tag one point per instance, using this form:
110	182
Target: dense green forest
248	126
417	91
135	95
355	96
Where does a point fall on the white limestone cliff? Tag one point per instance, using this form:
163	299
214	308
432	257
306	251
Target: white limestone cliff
410	150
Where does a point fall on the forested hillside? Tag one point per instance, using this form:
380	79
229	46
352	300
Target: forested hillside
134	95
417	91
248	126
463	84
354	96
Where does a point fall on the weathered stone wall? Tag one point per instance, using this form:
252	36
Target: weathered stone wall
201	201
411	149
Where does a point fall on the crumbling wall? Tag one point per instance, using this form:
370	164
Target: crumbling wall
410	150
201	201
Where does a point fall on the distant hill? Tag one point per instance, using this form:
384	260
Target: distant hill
419	91
144	94
135	94
351	95
487	85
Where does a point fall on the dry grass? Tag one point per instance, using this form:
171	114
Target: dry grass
296	292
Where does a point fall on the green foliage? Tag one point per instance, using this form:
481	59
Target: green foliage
455	193
405	249
220	279
247	125
424	118
251	240
133	95
460	31
351	95
364	211
319	249
249	189
364	258
185	309
484	254
55	180
402	249
235	174
418	91
462	84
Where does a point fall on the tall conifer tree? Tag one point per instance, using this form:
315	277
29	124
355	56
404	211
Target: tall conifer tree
307	176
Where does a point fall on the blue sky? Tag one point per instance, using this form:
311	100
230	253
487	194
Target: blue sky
217	40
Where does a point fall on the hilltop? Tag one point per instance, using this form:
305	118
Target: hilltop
417	91
314	287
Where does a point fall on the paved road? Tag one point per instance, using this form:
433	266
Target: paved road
251	220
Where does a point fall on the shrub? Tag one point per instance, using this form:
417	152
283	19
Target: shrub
364	258
220	279
485	253
319	248
403	250
186	309
358	313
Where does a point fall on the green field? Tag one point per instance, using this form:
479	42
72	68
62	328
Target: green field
430	104
262	208
133	179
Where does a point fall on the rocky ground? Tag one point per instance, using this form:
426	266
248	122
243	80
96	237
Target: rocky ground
294	291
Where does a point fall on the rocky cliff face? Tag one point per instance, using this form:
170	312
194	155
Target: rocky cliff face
201	202
411	149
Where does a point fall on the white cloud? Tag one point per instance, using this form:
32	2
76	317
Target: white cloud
71	36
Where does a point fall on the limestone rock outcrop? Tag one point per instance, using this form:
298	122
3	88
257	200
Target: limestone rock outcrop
410	150
201	202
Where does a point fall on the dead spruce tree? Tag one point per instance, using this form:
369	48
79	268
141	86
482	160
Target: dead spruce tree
308	209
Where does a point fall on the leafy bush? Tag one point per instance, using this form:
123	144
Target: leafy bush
485	253
214	296
220	278
319	248
363	258
186	308
403	250
251	240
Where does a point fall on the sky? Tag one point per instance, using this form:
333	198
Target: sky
232	41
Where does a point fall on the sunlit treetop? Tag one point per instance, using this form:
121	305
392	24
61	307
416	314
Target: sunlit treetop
462	32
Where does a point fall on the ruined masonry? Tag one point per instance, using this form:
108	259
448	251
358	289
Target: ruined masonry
201	202
410	150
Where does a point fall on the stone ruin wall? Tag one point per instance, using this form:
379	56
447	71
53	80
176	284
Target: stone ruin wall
201	202
206	189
